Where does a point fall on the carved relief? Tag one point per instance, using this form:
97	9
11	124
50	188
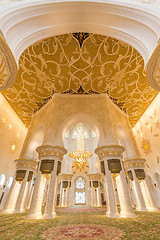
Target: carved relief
153	69
8	67
65	177
97	176
134	163
25	164
80	63
49	150
110	150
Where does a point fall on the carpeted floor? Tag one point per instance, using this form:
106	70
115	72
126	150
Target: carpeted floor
79	223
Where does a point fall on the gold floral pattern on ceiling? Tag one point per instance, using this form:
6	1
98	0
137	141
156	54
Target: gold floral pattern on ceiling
80	63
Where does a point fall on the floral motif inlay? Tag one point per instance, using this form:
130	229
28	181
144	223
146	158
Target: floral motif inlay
137	162
26	164
8	67
109	150
97	177
146	146
98	64
57	151
65	176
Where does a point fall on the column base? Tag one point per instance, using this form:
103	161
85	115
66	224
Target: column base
141	209
19	211
7	211
37	215
49	215
112	215
127	215
152	209
99	205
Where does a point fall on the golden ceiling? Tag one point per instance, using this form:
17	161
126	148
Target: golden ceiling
80	63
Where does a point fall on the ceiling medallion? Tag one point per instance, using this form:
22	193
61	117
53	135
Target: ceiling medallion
80	63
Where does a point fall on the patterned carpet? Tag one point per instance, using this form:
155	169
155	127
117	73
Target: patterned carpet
77	232
78	223
81	208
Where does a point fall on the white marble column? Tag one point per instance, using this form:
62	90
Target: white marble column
36	202
132	192
148	187
140	206
19	203
27	193
60	200
68	194
50	205
124	198
95	197
7	205
99	195
157	178
112	211
29	196
63	197
46	190
92	194
109	154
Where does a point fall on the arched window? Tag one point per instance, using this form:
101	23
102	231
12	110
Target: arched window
80	197
9	182
2	180
80	183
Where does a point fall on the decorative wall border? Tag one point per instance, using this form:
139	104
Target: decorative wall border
153	69
8	66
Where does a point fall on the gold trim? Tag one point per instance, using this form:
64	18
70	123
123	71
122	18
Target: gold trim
152	56
8	65
134	159
31	160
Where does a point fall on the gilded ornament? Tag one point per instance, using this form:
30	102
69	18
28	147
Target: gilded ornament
146	146
84	62
8	66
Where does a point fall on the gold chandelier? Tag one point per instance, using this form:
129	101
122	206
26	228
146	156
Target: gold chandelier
80	155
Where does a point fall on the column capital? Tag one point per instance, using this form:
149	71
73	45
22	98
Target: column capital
26	164
65	177
95	177
109	151
45	151
134	163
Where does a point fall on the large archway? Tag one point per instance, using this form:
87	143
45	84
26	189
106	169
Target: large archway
80	168
63	17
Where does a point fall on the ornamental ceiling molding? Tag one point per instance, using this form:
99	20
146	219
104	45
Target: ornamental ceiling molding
80	63
153	69
8	66
34	22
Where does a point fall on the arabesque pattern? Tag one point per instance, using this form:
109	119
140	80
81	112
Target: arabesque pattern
64	64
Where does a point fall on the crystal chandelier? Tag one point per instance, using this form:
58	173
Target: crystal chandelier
80	155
